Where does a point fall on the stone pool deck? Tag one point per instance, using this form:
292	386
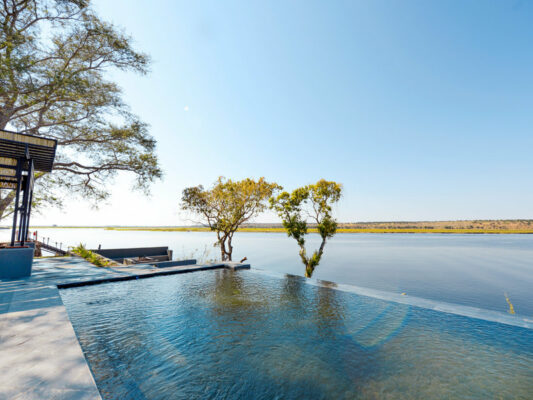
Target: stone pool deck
40	357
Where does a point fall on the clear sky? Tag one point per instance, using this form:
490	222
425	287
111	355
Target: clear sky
422	109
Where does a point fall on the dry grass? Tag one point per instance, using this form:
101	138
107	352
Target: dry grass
340	230
523	226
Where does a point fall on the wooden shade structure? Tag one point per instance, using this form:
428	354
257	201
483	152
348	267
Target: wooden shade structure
20	156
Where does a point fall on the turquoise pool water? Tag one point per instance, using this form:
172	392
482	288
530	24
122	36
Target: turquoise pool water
223	334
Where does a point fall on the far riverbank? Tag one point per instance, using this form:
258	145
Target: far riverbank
282	230
496	226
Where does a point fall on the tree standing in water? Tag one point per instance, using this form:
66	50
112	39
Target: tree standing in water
314	203
228	205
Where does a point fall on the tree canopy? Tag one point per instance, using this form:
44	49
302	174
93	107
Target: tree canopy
228	205
309	203
54	60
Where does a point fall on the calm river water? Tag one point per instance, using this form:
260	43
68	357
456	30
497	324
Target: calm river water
473	270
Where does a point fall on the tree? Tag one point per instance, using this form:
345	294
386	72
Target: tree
54	57
228	205
311	202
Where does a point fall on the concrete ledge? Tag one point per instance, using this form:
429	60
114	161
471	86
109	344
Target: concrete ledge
236	266
177	263
175	270
139	276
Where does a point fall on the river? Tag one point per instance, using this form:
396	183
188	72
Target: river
473	270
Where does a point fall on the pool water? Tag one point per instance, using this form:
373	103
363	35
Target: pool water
224	334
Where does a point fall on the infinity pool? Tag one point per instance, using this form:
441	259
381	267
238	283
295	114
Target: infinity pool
246	334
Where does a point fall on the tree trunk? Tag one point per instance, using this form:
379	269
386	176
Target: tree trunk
303	255
311	263
223	249
321	249
5	202
4	119
225	253
230	248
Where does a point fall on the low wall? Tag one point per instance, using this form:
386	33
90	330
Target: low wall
134	252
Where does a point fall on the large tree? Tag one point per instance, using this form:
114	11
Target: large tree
228	205
311	203
55	56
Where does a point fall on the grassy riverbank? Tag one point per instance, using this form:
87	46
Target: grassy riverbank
521	226
340	230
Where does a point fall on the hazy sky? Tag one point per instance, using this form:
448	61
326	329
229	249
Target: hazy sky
422	109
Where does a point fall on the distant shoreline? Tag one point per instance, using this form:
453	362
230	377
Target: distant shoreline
497	226
340	230
281	230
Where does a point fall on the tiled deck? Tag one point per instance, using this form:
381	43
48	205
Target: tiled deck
40	357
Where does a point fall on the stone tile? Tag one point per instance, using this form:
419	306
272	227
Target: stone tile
53	394
39	353
40	357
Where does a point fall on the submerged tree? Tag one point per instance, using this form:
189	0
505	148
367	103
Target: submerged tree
228	205
309	203
54	56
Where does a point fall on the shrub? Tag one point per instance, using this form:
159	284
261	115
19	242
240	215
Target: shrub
93	258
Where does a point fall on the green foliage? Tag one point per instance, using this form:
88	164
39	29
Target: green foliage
40	198
314	203
227	205
55	56
90	256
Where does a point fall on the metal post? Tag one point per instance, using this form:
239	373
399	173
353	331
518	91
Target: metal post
23	216
16	206
28	197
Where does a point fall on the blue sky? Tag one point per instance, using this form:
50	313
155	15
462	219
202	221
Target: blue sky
422	109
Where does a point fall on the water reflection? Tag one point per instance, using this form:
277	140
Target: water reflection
329	311
232	297
224	334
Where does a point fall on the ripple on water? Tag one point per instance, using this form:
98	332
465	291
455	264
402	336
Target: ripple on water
221	334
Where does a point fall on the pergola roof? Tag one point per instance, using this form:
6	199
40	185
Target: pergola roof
14	145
